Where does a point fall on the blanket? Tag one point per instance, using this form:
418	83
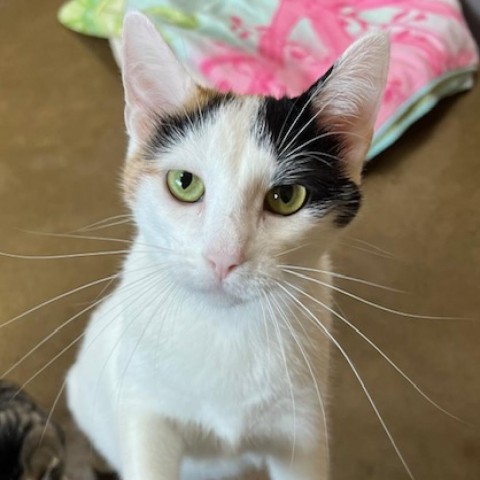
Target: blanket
280	47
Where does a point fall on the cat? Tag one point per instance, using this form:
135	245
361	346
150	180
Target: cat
211	357
31	446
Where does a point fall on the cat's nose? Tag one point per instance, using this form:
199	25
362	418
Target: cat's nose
223	263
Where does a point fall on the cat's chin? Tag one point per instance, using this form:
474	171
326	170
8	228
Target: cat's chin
221	295
225	294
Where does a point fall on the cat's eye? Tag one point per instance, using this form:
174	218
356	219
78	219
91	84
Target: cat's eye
286	199
185	186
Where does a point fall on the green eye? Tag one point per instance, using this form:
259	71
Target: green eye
185	186
286	199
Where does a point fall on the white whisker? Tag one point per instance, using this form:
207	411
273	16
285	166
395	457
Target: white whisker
48	337
383	355
340	275
103	239
366	250
109	225
309	367
101	222
59	297
287	372
50	362
290	250
59	257
354	370
372	304
371	245
52	409
60	328
267	336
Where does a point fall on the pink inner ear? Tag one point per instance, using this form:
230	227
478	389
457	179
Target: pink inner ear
155	83
350	99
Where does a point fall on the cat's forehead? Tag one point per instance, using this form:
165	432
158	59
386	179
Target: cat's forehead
235	124
204	116
217	133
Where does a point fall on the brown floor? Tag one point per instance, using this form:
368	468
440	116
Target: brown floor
61	148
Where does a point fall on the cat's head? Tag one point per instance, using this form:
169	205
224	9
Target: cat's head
223	185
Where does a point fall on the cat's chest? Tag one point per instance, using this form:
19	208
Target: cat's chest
224	383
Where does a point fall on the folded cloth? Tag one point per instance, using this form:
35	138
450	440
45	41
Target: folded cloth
279	47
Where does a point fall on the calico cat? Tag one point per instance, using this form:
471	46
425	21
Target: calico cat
211	357
31	447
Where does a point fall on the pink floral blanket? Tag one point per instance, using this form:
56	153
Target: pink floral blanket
280	47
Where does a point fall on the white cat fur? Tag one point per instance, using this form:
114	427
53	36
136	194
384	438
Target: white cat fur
182	378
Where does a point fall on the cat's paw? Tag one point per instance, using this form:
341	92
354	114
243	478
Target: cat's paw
42	456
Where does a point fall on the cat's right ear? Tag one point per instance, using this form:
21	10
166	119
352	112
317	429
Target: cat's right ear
154	80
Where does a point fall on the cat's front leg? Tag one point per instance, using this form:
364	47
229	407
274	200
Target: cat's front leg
151	448
305	466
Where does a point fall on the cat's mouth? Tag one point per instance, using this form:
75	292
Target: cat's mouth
226	291
240	288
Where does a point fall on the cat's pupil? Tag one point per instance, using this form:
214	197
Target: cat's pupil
285	192
185	179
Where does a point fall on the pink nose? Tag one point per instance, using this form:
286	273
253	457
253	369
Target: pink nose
223	264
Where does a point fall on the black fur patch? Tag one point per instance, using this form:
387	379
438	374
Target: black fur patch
172	127
291	127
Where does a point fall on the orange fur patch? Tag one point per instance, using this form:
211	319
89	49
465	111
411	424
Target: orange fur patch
200	97
135	168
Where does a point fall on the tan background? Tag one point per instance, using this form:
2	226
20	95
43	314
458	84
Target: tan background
61	149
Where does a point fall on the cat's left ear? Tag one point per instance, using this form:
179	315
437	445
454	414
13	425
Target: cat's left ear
347	100
154	80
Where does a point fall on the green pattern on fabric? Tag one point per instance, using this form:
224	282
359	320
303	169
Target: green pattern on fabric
100	18
166	15
103	18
